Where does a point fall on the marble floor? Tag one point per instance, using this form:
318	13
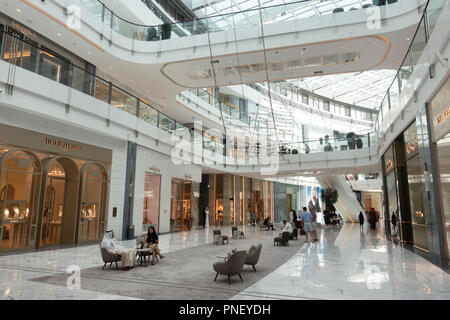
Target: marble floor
345	264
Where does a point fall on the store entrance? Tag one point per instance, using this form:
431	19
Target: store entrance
180	206
59	205
53	210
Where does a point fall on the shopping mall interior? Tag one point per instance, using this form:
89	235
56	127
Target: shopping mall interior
268	149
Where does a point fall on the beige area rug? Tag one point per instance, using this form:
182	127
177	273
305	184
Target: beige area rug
184	274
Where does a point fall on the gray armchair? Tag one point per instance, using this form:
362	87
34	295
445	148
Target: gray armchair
109	258
253	256
232	266
283	240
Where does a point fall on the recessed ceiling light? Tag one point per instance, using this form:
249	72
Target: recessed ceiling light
18	10
408	39
89	52
374	43
342	47
59	34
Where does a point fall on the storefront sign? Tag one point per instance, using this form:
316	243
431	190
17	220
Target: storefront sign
439	110
389	165
444	115
21	28
63	145
18	137
410	148
154	169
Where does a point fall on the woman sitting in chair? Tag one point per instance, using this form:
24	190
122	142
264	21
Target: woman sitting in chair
151	241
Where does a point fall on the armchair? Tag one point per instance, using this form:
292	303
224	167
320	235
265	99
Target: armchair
283	240
109	258
232	266
253	256
294	234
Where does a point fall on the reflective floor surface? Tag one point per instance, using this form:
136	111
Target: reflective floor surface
346	264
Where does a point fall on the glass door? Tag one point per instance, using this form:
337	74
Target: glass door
53	210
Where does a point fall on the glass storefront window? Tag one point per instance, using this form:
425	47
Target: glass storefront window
419	221
53	67
391	182
180	208
122	100
101	90
443	164
93	198
19	197
29	56
53	204
152	188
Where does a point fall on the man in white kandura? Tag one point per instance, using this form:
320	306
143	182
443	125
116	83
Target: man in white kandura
112	246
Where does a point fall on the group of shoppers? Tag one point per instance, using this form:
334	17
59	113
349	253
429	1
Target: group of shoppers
128	255
307	223
373	218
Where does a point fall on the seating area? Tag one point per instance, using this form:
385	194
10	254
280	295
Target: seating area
109	258
234	263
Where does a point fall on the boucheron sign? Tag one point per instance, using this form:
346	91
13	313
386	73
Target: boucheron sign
63	145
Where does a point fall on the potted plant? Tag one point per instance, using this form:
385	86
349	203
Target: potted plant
330	197
327	139
166	31
294	151
351	140
321	140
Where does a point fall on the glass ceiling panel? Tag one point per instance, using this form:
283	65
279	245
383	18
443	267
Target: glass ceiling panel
365	89
287	10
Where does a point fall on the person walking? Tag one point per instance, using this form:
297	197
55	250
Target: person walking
306	218
394	222
372	219
253	218
361	220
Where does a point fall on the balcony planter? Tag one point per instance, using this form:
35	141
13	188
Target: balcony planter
166	31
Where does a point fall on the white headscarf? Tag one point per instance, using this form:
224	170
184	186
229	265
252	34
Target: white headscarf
108	242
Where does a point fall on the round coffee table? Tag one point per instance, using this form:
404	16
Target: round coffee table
143	253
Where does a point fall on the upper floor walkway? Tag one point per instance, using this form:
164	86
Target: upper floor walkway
354	40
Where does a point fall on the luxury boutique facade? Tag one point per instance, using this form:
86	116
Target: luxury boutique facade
91	117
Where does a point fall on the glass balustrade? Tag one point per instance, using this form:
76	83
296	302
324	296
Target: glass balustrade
83	81
411	72
102	19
